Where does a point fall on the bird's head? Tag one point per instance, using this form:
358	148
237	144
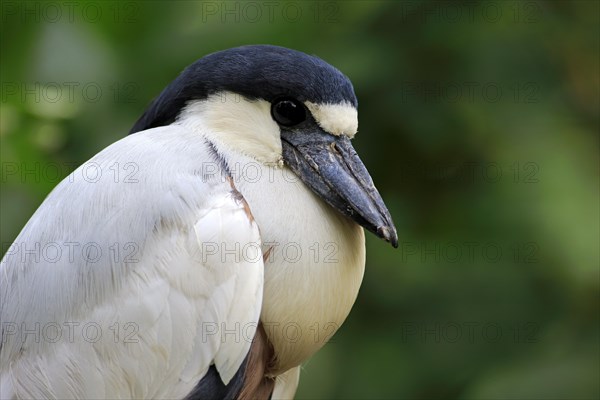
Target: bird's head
275	104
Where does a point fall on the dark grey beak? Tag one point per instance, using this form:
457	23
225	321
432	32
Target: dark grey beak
331	168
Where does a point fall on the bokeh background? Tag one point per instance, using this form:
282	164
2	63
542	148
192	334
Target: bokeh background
479	122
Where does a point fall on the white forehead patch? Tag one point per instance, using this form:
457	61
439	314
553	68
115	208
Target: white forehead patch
337	119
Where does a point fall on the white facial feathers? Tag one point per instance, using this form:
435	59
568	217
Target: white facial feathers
337	119
236	122
246	125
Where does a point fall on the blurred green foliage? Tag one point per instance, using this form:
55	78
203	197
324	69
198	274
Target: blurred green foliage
479	123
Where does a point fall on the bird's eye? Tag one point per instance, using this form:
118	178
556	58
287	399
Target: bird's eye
288	112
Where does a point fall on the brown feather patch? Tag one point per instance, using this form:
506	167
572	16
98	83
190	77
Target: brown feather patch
256	384
240	199
267	254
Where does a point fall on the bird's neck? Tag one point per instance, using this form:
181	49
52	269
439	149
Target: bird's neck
315	262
